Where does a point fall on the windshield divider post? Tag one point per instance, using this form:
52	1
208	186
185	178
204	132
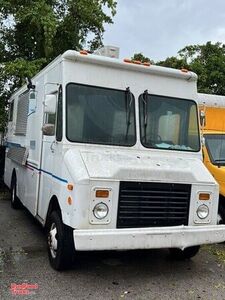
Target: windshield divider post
145	100
129	100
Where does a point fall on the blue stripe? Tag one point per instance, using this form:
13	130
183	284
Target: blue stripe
49	173
11	145
33	167
46	172
60	179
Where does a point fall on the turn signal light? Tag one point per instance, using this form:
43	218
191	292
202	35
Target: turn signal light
204	196
147	64
83	52
102	194
137	62
127	60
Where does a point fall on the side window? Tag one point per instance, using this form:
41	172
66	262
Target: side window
50	119
49	127
59	123
11	108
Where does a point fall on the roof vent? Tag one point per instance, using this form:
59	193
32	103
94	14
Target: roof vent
109	51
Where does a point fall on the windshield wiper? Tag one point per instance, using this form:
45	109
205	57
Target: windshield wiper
219	160
145	101
129	100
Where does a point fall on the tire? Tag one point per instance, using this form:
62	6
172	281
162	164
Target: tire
61	249
187	253
221	215
15	202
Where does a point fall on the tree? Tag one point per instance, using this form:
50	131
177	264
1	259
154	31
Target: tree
207	61
141	57
32	33
46	28
173	62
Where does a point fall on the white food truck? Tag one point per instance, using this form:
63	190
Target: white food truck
107	155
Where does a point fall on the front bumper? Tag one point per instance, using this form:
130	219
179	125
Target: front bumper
148	238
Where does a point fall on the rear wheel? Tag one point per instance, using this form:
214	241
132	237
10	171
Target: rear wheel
187	253
60	243
15	202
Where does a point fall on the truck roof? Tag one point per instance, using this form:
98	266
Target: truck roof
129	65
119	64
214	107
211	100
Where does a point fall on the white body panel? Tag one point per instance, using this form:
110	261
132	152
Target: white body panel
52	165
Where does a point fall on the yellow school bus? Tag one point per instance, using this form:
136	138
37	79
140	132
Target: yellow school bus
213	129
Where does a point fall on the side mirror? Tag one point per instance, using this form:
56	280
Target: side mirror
32	102
202	118
50	104
48	129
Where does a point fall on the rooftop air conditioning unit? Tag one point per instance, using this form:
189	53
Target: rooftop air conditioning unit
109	51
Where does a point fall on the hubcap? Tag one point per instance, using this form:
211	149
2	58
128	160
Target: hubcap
52	240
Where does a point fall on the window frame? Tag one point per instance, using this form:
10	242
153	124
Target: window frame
59	129
174	98
208	148
96	143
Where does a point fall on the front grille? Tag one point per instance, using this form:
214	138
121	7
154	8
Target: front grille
148	204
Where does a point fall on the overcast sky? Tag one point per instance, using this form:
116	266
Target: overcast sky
160	28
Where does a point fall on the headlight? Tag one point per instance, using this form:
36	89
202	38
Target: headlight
203	211
100	211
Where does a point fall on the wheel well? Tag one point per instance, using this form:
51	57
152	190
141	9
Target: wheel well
222	201
12	178
13	174
53	206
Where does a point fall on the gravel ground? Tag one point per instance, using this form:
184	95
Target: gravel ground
102	275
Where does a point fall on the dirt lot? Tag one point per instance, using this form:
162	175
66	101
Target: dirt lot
105	275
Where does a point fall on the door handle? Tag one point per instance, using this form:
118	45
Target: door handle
52	147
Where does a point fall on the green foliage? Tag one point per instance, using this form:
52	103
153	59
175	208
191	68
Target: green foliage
173	62
141	57
3	114
46	28
16	71
32	33
207	61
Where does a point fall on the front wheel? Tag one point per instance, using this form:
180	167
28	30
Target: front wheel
187	253
221	215
60	243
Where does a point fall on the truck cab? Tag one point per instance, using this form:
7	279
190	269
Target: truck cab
106	154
